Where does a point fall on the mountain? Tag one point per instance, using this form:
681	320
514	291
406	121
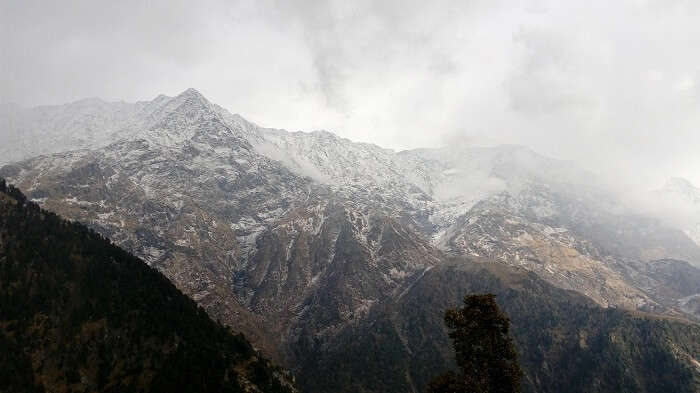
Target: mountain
84	124
77	313
506	202
305	241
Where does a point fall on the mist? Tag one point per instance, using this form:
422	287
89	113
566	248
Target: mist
611	86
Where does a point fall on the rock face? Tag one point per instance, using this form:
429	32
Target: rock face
299	238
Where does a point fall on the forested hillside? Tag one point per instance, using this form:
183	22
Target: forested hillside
565	342
79	314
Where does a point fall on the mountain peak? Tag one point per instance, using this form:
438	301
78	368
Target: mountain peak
192	93
681	188
189	100
189	115
679	183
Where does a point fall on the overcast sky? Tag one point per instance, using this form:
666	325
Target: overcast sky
612	85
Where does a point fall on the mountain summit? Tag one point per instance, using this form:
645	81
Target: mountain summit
93	123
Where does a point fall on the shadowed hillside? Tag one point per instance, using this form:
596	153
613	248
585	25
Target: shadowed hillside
80	314
565	342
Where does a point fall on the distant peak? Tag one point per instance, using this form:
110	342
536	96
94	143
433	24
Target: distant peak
191	98
679	183
683	188
191	92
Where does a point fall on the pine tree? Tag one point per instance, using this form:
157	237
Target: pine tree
485	351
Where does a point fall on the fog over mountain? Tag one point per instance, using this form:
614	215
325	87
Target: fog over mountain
610	86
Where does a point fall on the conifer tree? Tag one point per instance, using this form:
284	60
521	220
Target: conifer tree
485	352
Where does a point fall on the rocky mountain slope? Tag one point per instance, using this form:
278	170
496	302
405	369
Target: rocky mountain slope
506	203
294	238
79	314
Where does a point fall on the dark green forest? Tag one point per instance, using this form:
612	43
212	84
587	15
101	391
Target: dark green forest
79	314
565	342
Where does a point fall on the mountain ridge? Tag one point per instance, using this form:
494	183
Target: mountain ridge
294	238
433	191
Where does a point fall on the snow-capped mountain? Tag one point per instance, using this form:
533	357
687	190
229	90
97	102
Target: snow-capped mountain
85	124
506	203
295	237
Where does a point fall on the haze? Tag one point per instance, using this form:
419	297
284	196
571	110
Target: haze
612	86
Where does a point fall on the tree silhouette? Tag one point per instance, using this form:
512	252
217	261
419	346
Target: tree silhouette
485	351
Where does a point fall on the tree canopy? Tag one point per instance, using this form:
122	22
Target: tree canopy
486	355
